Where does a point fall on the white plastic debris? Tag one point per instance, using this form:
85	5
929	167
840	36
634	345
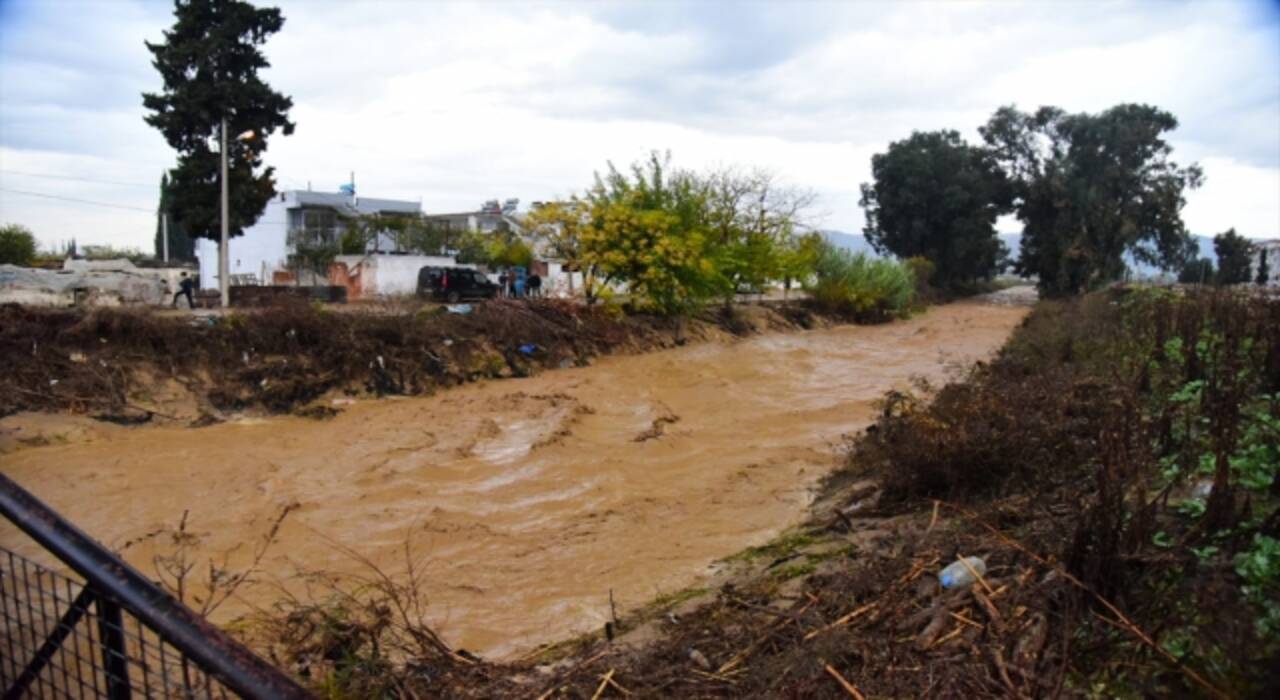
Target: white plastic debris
957	574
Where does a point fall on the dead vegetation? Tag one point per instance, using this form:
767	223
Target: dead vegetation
108	362
1115	470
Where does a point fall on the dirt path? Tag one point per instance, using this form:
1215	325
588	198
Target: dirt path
525	500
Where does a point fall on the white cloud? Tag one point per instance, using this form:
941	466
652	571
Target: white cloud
1235	195
458	103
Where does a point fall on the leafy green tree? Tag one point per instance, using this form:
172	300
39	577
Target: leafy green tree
751	221
313	257
1197	271
429	237
797	258
1089	188
472	247
181	246
561	227
210	63
650	230
363	231
17	245
1235	257
510	253
936	197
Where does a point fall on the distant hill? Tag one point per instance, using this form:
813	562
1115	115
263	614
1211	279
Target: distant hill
857	243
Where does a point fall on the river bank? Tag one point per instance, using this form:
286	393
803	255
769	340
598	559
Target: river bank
133	367
524	502
1112	473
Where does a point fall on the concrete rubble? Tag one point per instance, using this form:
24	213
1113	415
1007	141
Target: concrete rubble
80	287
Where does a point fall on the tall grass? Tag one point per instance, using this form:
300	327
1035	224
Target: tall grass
861	286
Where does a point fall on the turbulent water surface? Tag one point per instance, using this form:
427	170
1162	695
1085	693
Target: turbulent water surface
524	501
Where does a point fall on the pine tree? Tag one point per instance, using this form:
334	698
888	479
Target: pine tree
182	248
1264	274
210	62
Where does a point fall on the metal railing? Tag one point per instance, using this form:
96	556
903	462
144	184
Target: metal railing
113	634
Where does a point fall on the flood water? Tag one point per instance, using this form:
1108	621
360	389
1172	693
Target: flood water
525	501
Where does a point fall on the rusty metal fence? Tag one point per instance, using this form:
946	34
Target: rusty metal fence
106	631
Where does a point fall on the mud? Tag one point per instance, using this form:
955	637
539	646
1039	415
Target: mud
525	500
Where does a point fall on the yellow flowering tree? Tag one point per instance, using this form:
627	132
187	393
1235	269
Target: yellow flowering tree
649	230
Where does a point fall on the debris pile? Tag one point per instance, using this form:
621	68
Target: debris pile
282	358
86	287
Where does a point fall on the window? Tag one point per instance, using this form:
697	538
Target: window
313	227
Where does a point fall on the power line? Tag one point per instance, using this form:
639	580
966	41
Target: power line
76	200
78	179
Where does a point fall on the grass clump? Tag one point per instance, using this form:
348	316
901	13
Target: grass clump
860	286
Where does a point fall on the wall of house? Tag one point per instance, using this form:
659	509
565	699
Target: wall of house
1273	262
371	275
260	251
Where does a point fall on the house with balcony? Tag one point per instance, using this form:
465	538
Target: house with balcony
262	254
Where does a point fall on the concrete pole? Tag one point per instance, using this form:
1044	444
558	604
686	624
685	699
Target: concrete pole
224	265
164	233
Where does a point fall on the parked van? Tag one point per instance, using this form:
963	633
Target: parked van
453	284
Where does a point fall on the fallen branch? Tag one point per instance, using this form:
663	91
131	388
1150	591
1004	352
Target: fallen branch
846	619
849	687
604	683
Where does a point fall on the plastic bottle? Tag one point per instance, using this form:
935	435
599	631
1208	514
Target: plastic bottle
957	574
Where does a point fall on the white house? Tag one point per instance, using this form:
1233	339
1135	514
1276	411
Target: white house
489	218
1271	249
264	248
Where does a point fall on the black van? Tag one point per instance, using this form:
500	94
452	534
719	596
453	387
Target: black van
453	284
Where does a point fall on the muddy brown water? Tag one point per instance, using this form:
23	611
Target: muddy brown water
524	501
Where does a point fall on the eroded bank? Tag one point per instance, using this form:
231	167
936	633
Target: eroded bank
526	500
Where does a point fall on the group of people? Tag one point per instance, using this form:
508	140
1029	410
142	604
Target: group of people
514	286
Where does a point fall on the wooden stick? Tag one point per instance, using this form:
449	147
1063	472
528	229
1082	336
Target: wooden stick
974	572
965	620
713	676
769	630
933	520
947	637
620	689
849	687
842	621
603	684
1124	621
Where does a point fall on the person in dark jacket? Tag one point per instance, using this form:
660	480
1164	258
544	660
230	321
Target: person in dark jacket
184	289
534	284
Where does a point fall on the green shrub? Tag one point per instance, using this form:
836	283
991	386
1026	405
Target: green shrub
861	286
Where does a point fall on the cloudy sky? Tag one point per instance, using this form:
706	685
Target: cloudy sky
453	104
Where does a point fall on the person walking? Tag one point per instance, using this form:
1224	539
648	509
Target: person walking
535	285
502	284
184	289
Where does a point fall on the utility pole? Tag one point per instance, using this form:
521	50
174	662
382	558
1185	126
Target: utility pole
164	233
224	265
